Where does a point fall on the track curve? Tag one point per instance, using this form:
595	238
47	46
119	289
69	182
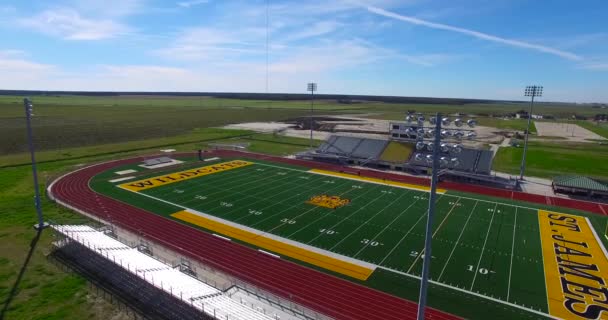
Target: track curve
333	296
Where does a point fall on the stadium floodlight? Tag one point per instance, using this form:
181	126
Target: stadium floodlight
430	132
471	135
312	87
421	118
446	133
455	162
408	118
420	146
429	158
532	92
432	120
458	134
29	112
457	148
443	161
430	146
458	122
420	131
409	130
419	157
471	123
445	121
445	147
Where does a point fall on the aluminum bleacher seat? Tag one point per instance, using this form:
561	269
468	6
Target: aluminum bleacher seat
369	148
344	145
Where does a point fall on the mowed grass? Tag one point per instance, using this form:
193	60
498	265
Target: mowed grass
600	129
38	289
45	291
473	241
549	159
72	121
67	126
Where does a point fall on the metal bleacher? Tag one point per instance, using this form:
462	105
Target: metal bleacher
209	301
353	147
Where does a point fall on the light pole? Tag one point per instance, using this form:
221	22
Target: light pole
312	87
27	103
424	282
532	92
436	148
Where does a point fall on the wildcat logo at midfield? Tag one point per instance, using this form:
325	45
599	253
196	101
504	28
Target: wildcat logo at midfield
326	201
183	175
576	267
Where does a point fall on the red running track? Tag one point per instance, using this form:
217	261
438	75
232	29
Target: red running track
335	297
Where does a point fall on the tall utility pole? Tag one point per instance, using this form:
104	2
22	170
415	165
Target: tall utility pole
532	92
27	103
312	87
424	282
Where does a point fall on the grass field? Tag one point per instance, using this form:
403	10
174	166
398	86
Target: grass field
487	254
600	129
63	122
36	288
549	159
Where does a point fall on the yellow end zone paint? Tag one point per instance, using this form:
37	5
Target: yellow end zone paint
375	180
183	175
576	267
314	258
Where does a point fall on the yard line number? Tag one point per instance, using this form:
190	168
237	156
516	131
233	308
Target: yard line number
371	243
288	221
481	270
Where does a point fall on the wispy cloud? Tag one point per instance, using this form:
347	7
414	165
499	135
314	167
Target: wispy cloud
318	28
14	61
598	66
70	25
473	33
188	4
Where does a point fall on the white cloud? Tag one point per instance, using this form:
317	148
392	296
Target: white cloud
188	4
318	28
599	66
14	62
69	24
107	8
475	34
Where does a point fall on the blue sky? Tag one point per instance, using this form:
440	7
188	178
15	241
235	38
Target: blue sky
459	48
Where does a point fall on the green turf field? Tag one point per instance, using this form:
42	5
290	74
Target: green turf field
486	252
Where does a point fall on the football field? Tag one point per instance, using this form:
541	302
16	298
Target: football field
355	226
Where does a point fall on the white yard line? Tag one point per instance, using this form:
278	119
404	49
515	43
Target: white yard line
368	220
348	217
405	236
433	236
264	234
599	241
288	208
512	250
540	313
543	257
362	179
457	240
484	247
303	213
386	227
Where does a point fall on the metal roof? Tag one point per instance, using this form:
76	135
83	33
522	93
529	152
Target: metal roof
580	182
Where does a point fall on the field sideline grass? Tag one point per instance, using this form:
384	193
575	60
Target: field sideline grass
46	292
549	159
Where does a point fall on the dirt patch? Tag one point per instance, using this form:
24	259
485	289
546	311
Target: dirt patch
571	132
